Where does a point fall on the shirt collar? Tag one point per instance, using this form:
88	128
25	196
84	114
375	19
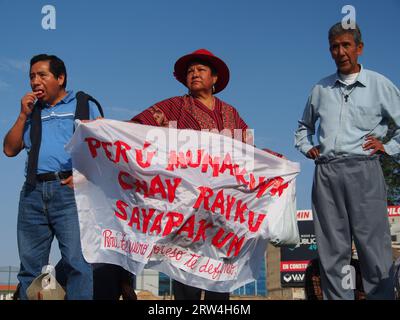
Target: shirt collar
67	99
361	78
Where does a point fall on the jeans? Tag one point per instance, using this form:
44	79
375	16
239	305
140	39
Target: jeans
46	210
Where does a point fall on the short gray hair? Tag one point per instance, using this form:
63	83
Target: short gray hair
337	30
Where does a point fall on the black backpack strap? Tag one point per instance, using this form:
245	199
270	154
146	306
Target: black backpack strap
81	113
36	139
82	105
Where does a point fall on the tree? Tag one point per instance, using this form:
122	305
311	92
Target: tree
391	171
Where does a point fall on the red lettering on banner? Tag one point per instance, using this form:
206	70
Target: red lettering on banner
205	195
122	182
173	161
242	214
141	218
217	242
174	220
146	218
172	188
188	227
276	185
177	161
156	227
183	160
191	263
135	219
236	244
239	211
213	162
260	219
156	186
205	267
140	156
216	271
239	175
122	148
93	145
108	153
119	241
109	240
230	201
108	146
171	253
219	202
227	164
164	223
252	182
127	182
121	214
201	232
189	158
141	187
279	189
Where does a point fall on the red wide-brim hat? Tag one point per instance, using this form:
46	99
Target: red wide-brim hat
181	66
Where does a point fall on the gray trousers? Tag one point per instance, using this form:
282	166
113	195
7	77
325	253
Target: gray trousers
349	202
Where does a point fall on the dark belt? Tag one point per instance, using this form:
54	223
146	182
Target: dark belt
50	176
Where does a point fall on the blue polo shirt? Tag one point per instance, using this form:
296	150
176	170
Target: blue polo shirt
57	130
344	123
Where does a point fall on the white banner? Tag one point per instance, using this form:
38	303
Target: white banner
197	206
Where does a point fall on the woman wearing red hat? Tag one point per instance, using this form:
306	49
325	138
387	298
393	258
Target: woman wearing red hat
204	75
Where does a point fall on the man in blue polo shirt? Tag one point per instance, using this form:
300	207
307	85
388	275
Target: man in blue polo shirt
47	205
353	107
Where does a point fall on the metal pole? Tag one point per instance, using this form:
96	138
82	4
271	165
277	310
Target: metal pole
170	288
9	278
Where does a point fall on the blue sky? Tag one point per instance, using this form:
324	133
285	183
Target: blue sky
123	52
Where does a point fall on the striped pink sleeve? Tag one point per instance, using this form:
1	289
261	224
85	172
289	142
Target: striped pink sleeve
161	113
